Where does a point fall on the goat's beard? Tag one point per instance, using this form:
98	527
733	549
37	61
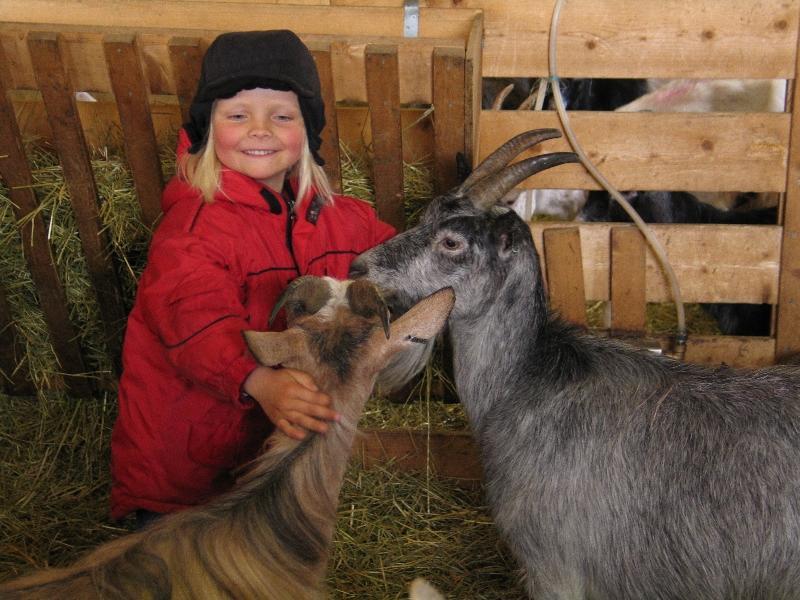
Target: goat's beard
404	365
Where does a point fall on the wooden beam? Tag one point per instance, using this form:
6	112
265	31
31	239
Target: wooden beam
787	332
62	115
634	39
447	454
330	137
141	148
713	263
628	302
657	151
186	58
448	116
562	254
387	138
16	174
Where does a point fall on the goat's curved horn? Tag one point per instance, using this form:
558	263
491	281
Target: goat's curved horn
487	192
366	300
306	294
497	103
503	155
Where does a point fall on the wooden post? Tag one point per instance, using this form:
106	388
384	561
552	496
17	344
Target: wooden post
787	331
473	88
141	148
562	251
628	303
186	58
330	137
47	57
448	115
383	95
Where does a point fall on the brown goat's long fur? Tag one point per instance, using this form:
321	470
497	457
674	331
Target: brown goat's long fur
269	537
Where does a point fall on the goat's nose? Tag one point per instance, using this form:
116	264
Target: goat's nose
357	269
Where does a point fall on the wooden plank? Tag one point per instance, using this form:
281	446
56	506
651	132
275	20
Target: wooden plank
562	253
448	102
642	39
713	263
70	145
330	137
473	78
141	148
628	303
387	139
144	16
15	171
186	59
446	454
744	352
14	377
735	152
787	332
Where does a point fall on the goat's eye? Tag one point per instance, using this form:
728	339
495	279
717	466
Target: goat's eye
451	244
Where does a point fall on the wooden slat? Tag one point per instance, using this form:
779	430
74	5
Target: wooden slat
787	332
70	145
387	140
447	454
448	103
713	263
141	148
628	301
735	152
143	15
641	39
16	174
733	351
473	78
186	58
330	137
14	377
562	254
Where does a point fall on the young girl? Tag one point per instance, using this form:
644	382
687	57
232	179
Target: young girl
249	211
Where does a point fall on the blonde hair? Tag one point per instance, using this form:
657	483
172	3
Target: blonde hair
202	171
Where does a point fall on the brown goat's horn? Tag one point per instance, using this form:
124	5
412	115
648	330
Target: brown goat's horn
365	300
503	155
488	191
306	294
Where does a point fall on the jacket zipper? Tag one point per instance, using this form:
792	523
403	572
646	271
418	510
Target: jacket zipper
290	219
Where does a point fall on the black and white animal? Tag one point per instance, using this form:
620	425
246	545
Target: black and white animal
612	473
269	538
682	207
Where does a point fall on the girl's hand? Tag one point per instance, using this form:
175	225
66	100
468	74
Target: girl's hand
291	400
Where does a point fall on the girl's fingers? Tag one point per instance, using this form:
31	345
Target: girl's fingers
293	432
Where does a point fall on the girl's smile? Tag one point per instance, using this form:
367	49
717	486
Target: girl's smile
259	133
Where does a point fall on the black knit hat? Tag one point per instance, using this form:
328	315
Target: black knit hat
245	60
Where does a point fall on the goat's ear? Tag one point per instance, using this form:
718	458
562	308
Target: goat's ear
506	234
424	320
272	348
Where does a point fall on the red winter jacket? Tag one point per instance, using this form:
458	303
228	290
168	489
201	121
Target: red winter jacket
213	270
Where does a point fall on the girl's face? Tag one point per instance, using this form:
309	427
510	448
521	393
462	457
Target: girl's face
259	133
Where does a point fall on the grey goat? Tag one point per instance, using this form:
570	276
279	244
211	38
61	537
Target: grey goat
612	473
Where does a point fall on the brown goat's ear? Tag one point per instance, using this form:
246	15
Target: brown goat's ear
423	320
365	300
273	348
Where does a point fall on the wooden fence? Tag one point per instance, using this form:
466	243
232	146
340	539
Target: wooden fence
142	59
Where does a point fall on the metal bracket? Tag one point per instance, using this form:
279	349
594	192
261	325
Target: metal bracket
411	18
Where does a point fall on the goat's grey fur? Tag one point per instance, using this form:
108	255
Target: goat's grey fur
612	473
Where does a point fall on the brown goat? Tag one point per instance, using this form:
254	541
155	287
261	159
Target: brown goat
268	538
